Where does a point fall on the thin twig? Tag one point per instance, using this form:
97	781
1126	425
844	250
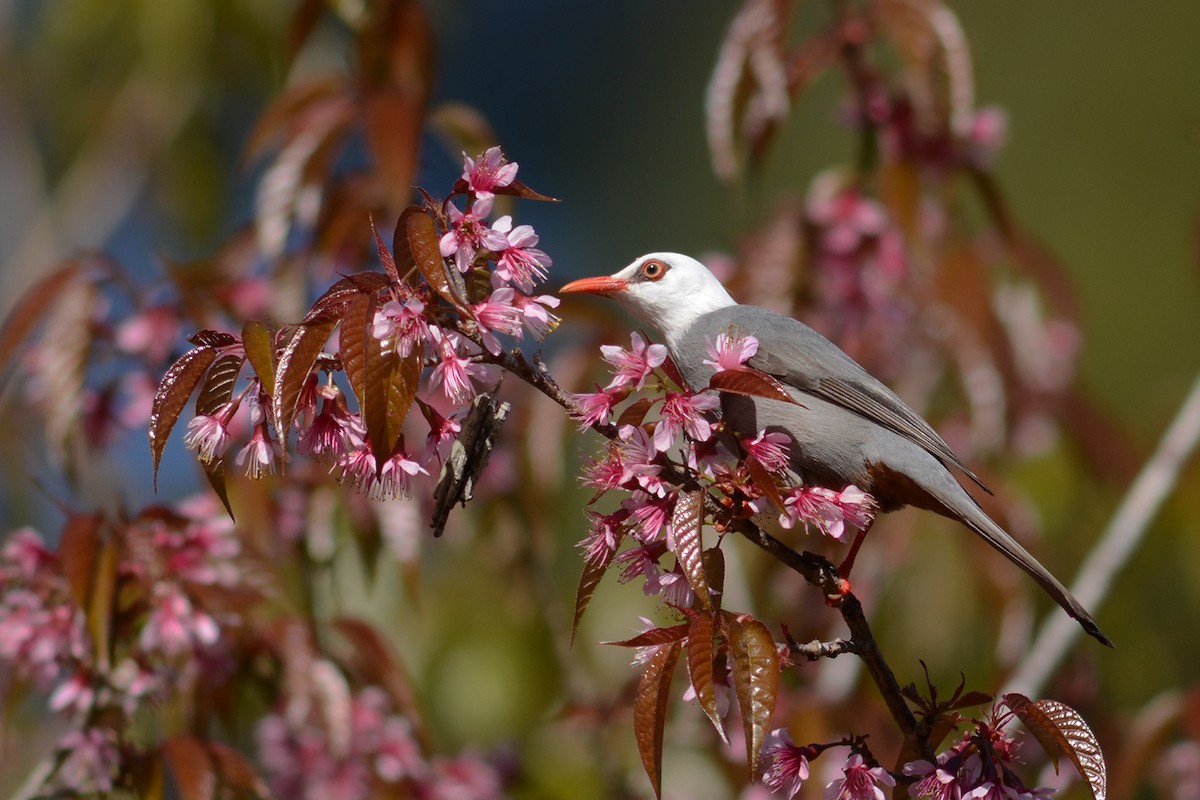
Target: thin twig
1122	536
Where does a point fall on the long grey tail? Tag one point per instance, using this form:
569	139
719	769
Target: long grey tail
974	518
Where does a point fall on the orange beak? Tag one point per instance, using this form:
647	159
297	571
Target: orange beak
605	284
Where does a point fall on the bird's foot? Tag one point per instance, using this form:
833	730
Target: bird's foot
834	597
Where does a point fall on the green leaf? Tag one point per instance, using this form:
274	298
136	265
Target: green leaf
172	395
755	666
701	653
650	710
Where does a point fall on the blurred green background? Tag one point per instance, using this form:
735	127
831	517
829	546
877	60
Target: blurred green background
122	125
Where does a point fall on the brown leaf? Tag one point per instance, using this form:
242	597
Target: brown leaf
701	653
385	255
755	666
192	768
764	481
236	771
650	710
357	322
295	363
753	383
653	637
519	189
259	342
34	305
687	521
217	388
635	413
333	302
393	120
378	665
593	572
65	348
172	395
714	570
391	387
422	251
216	339
99	606
1061	730
77	547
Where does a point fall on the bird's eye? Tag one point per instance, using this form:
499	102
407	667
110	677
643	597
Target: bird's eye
653	269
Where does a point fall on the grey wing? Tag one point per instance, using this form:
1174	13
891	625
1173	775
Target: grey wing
802	357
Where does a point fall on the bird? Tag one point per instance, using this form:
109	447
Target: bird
845	426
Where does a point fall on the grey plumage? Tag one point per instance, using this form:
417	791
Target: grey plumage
849	428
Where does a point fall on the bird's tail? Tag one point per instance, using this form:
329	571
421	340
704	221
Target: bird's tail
997	537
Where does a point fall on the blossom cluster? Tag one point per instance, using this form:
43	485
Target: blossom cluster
498	266
50	633
367	748
752	473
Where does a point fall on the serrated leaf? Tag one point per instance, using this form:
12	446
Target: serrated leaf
519	189
635	413
754	662
593	572
99	606
259	342
391	385
654	637
687	521
751	382
701	653
333	301
357	322
78	544
172	395
1061	730
650	710
295	363
714	571
385	255
421	239
217	388
209	338
672	369
764	481
214	471
191	767
33	307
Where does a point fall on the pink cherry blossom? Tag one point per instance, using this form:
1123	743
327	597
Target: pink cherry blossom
402	321
488	172
208	435
498	314
453	371
785	766
769	449
534	313
520	263
259	454
729	352
334	430
469	234
633	366
175	626
859	782
594	408
649	515
637	455
90	760
828	510
684	412
604	536
396	476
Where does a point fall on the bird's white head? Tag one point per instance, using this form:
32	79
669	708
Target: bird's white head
666	291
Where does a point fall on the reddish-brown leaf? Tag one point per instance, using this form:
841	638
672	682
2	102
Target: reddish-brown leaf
379	666
650	710
77	548
192	768
217	388
754	662
172	395
99	606
422	246
701	652
654	636
65	348
333	302
216	339
687	521
214	471
393	119
236	771
714	570
385	255
357	321
391	384
635	413
33	306
751	382
672	369
1061	730
259	341
295	363
764	481
519	189
593	572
